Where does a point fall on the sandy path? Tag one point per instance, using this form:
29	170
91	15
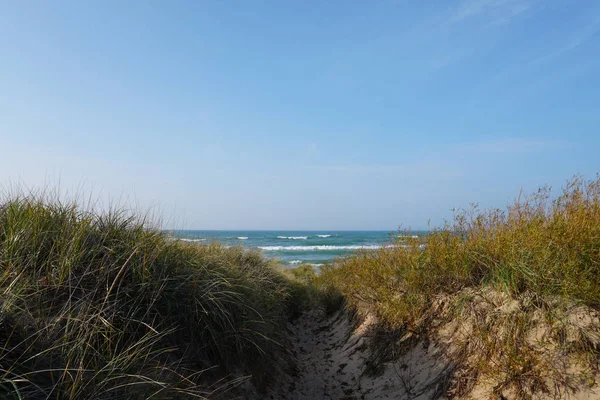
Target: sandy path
331	356
318	343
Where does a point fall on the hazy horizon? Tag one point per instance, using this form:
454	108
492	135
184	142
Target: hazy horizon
337	116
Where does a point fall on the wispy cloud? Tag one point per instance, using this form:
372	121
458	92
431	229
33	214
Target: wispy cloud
579	38
495	11
539	68
474	17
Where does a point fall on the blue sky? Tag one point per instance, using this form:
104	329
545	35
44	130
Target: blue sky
303	114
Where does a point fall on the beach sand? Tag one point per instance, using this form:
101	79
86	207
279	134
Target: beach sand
332	357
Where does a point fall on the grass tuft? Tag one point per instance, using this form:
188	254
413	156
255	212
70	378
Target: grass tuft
102	306
514	278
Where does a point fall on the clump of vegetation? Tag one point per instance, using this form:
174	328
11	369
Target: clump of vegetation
101	306
514	277
314	290
304	273
328	294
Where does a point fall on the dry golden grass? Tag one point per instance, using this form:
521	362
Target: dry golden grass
543	253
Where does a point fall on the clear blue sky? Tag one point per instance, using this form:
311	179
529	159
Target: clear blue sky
300	114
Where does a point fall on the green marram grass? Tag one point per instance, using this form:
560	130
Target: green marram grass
102	306
313	291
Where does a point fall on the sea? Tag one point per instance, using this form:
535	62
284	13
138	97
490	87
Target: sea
297	247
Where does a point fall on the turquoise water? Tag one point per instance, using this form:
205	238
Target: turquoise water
297	247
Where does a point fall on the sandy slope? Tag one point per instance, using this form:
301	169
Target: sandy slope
331	360
329	357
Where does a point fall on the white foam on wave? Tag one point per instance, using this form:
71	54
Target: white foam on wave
243	237
295	262
192	240
324	236
293	237
320	248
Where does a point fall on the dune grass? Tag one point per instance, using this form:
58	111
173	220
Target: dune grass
543	252
312	291
102	306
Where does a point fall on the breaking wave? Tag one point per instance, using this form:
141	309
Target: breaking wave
319	248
